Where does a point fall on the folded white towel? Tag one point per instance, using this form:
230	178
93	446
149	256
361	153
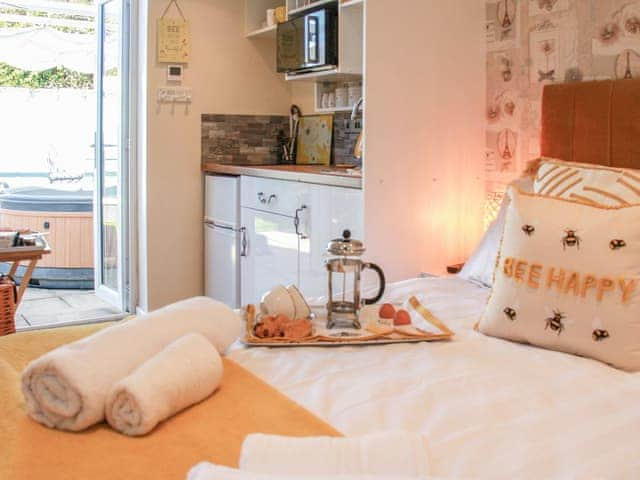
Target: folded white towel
387	453
209	471
67	387
185	372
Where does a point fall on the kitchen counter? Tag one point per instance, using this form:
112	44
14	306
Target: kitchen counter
318	174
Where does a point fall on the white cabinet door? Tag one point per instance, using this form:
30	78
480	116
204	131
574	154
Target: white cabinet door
222	275
330	211
222	199
271	255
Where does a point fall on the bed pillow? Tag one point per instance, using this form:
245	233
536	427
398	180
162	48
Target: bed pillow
482	262
568	279
593	184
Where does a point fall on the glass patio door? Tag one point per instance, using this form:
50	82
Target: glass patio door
112	152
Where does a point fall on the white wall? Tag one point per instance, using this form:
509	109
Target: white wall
228	74
425	88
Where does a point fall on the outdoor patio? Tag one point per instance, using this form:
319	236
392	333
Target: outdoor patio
42	307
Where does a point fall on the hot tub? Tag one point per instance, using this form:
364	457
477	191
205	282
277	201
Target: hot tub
67	216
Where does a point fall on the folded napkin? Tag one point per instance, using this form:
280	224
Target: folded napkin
185	372
209	471
67	387
391	453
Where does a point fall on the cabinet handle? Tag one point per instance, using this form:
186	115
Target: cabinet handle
261	197
243	242
296	222
272	198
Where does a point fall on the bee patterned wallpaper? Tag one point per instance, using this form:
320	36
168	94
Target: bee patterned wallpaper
535	42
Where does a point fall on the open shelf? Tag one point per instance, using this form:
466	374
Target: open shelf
321	88
334	109
295	11
255	18
333	75
266	32
351	3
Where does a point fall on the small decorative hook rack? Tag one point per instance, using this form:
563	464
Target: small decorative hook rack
174	95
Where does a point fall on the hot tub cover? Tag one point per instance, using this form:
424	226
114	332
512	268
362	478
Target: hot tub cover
43	199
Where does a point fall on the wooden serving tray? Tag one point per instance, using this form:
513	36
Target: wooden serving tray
345	336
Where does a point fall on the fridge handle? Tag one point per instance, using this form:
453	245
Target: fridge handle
296	222
243	242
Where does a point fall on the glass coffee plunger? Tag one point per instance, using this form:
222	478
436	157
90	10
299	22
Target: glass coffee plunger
345	269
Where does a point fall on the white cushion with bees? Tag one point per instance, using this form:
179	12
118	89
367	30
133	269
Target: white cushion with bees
568	278
593	184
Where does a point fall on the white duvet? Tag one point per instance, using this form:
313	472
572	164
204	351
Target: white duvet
489	408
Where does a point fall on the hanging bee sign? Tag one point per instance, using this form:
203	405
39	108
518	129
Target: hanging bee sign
173	37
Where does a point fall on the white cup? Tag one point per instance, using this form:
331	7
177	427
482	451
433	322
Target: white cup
341	97
331	101
271	17
278	301
301	306
324	102
354	93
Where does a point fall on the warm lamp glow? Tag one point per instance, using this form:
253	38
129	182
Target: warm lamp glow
492	203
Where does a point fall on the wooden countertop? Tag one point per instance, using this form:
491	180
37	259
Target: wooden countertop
323	175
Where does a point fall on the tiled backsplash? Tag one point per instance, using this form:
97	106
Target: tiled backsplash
343	140
242	139
254	139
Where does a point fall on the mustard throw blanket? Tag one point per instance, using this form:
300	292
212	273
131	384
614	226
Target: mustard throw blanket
212	430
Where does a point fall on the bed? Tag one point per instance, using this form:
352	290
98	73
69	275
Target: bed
488	407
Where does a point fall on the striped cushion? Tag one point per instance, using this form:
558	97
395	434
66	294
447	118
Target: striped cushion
592	184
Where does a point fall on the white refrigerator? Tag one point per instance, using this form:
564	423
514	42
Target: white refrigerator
224	239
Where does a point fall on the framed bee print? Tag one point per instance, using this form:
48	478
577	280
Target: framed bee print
315	134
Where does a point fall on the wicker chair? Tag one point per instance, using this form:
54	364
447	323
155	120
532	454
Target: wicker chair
8	301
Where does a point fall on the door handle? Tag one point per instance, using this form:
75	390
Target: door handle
296	222
312	39
272	198
213	226
244	244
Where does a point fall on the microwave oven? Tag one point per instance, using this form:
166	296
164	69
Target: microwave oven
309	42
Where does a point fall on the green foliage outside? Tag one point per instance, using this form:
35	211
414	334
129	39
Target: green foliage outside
20	11
58	77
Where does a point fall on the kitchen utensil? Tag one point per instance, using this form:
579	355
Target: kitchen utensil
289	153
344	270
357	149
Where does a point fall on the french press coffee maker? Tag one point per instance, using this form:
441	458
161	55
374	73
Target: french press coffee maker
345	268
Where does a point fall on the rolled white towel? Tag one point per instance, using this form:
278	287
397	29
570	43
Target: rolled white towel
386	453
209	471
67	387
185	372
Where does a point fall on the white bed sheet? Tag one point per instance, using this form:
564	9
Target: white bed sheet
489	408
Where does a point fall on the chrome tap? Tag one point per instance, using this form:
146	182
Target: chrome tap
356	108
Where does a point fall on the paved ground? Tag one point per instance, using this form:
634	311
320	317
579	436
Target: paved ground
41	307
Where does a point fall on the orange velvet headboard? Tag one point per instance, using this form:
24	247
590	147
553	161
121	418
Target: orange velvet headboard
592	122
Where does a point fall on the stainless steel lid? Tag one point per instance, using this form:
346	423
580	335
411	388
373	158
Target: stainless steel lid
345	246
